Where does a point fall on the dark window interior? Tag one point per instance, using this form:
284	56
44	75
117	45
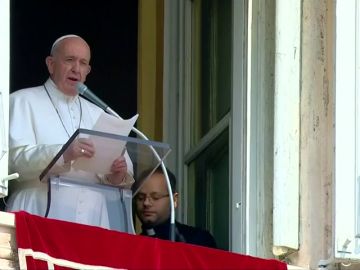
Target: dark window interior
110	28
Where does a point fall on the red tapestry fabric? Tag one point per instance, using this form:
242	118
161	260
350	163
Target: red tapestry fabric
53	244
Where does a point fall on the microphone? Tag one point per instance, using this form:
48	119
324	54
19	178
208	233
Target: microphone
83	90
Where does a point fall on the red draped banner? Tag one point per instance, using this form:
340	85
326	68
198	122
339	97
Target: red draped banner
53	244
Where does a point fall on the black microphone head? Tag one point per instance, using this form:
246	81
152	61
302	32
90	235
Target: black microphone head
81	88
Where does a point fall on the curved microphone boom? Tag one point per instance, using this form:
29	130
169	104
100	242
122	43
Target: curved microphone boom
83	90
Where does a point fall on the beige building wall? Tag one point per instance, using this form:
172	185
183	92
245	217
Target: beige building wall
317	139
317	133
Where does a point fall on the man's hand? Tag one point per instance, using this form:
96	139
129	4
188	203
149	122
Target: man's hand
118	171
81	147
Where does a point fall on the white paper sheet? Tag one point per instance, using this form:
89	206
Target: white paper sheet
106	150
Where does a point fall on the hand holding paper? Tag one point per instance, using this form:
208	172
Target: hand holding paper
118	171
107	151
82	147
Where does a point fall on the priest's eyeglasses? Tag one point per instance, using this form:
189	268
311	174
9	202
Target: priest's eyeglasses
152	197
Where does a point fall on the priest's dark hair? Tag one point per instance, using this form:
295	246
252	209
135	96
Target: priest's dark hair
148	173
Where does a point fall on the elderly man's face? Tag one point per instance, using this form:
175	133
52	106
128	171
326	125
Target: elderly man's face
69	64
153	202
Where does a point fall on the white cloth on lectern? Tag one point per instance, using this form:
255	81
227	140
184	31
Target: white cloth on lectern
36	135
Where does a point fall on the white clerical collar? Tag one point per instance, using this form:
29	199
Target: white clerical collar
150	231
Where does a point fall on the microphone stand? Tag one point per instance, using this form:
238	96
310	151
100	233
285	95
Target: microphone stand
172	206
